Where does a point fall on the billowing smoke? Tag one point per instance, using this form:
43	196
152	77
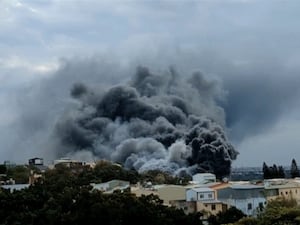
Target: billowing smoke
155	121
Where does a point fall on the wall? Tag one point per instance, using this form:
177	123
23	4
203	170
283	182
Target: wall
208	207
171	192
193	195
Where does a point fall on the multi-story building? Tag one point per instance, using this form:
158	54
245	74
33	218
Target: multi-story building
286	188
248	198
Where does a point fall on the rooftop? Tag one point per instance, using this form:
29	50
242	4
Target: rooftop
202	189
246	186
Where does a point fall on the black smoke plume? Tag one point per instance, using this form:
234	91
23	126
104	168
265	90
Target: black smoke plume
153	122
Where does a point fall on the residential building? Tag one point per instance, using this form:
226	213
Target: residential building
248	198
139	190
187	207
173	193
202	178
15	187
111	186
36	162
200	194
72	163
286	188
205	200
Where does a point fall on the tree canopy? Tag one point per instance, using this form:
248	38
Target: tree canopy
294	169
65	197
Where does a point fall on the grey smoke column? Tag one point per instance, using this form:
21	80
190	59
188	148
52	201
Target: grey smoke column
153	122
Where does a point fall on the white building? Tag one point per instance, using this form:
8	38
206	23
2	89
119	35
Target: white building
111	186
203	178
200	194
15	187
203	200
250	199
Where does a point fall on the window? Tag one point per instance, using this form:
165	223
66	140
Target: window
209	195
201	196
249	206
261	206
213	207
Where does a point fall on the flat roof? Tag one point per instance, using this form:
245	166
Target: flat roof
202	189
246	186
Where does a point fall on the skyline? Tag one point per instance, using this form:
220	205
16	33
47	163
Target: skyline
249	48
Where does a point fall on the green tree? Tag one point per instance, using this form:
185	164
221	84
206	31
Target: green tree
247	221
229	216
3	169
273	171
266	171
19	173
60	198
281	173
280	212
294	169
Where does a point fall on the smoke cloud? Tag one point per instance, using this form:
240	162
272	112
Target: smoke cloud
154	121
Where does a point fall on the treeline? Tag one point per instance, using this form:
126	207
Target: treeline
274	171
103	171
270	172
18	173
63	196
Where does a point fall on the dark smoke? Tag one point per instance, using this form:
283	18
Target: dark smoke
153	122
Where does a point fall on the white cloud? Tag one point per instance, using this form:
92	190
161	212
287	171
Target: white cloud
31	70
279	145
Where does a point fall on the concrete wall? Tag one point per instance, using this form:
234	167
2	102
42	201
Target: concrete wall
243	204
171	192
209	208
293	192
194	195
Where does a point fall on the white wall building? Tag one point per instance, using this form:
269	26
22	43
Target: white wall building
200	194
15	187
250	199
203	178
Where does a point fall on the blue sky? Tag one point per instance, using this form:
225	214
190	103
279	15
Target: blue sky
251	47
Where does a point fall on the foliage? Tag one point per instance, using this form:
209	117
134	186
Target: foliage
3	169
280	211
274	171
160	177
107	171
19	173
63	197
294	169
229	216
247	221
